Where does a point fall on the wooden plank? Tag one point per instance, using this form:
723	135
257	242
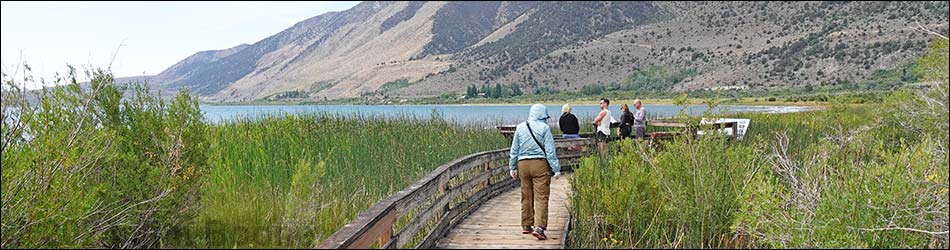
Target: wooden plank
558	216
513	227
488	237
668	124
483	240
476	161
567	229
457	214
496	224
387	234
499	231
496	246
421	219
515	222
382	228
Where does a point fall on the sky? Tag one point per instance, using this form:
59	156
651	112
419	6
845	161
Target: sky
149	36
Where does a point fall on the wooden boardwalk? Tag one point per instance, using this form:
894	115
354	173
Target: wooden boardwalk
469	202
496	223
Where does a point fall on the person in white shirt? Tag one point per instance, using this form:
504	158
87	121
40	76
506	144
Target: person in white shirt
602	122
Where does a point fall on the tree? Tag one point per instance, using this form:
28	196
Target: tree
515	90
471	91
488	91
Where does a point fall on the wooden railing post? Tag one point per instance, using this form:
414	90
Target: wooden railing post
386	236
488	169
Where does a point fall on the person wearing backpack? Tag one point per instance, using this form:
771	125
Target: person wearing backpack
534	161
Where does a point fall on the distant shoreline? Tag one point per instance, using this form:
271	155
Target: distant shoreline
647	101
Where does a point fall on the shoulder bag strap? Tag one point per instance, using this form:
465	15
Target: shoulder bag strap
535	138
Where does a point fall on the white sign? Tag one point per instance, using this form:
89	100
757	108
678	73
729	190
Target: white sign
741	126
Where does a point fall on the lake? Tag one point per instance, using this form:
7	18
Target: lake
465	114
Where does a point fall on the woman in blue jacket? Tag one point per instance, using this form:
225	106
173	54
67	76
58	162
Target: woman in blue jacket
533	161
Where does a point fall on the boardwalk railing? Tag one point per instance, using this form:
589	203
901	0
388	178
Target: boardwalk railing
690	129
421	214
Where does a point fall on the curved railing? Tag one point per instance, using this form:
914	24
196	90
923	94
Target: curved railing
421	214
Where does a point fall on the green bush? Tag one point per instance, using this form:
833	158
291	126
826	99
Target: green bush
671	198
844	177
837	178
83	167
92	166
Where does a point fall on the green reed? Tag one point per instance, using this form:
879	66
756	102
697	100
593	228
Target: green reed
292	180
843	177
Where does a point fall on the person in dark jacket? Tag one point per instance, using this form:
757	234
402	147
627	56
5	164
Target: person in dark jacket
568	123
626	121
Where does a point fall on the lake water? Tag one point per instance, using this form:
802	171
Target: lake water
466	114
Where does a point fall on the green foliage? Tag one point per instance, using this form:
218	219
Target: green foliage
844	177
498	91
655	78
295	94
797	180
650	198
933	66
397	84
545	91
291	181
471	91
83	167
593	89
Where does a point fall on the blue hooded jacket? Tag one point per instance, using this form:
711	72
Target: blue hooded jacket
524	147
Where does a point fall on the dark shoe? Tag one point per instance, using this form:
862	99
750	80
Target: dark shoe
539	233
526	230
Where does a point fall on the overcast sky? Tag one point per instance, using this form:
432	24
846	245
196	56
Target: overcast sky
153	35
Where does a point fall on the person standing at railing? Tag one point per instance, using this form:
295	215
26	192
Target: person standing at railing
602	122
626	121
533	161
568	123
640	119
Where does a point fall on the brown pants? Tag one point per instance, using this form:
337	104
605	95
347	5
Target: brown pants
535	178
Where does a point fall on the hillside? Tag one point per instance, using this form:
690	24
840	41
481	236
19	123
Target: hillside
416	49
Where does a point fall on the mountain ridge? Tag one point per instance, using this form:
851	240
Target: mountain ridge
444	47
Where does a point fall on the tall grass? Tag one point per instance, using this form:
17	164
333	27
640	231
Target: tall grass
83	167
107	166
291	181
833	178
844	177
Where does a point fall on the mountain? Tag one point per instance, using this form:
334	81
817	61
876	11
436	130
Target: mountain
413	49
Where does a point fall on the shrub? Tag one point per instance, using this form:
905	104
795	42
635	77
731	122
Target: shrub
83	167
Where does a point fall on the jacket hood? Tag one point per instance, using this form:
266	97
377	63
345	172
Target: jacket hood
538	113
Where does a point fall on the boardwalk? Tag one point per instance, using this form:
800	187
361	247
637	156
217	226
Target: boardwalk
469	202
496	223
